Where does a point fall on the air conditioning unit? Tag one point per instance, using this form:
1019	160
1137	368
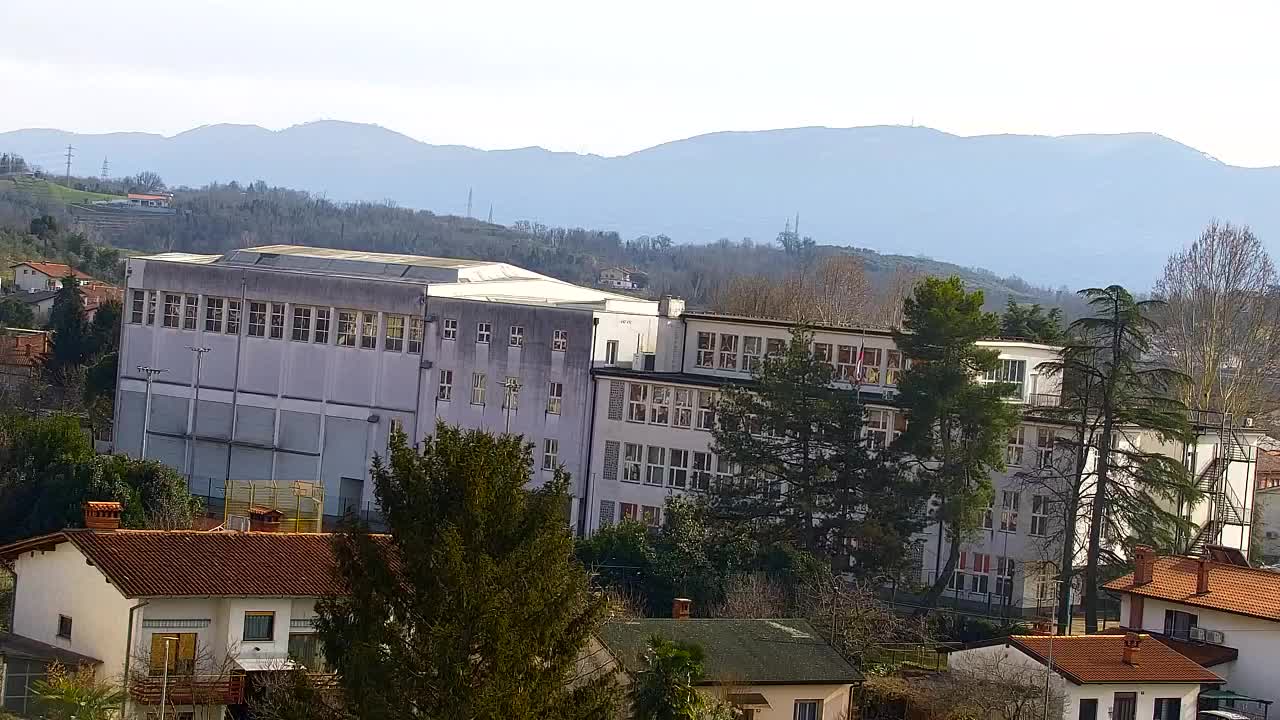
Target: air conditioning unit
1197	634
1206	635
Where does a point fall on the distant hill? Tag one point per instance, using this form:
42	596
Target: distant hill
1086	209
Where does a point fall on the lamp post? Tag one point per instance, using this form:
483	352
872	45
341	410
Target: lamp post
513	391
195	407
1053	630
150	372
164	682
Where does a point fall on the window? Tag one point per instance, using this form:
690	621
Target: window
322	326
892	367
611	352
416	328
1178	624
706	356
233	317
260	626
822	353
659	405
368	330
869	370
1040	515
655	465
724	469
651	516
484	331
1013	452
277	321
450	331
807	710
701	471
775	346
151	307
637	402
752	349
678	472
511	393
846	362
172	306
560	341
1005	568
257	319
628	511
632	457
393	340
1089	709
728	352
64	627
179	648
190	308
877	428
1124	706
987	523
550	451
980	571
301	324
517	336
555	396
1044	447
1168	708
445	393
307	650
1009	511
1009	371
477	388
706	410
682	409
213	315
139	302
346	328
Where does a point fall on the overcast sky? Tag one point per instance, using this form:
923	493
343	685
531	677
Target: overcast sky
611	77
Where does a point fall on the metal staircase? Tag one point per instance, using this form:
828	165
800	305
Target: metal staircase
1225	506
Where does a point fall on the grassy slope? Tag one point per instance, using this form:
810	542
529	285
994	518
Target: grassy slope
61	193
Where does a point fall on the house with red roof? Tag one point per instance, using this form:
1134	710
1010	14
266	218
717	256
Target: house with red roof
38	276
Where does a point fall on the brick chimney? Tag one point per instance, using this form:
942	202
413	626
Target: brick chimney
102	515
680	608
1202	576
1132	644
1144	560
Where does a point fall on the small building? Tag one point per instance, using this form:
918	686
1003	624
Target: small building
619	278
21	353
151	200
96	294
770	669
1098	677
40	276
24	661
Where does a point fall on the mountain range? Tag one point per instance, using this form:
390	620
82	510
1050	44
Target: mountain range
1074	210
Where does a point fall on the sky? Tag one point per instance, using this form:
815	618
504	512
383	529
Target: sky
615	77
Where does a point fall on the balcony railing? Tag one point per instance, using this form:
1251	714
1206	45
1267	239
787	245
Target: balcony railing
189	689
1044	400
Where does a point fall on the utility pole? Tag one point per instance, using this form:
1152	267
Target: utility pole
104	169
68	176
150	372
1053	630
195	408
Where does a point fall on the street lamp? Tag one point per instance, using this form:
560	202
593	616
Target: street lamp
164	683
195	407
150	372
512	391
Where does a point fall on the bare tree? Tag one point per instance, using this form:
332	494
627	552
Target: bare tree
1000	688
834	291
1219	323
752	595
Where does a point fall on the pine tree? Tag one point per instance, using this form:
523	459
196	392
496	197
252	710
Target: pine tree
957	428
472	607
72	341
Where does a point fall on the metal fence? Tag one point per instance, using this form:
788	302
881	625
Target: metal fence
211	491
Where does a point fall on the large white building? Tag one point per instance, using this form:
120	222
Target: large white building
314	355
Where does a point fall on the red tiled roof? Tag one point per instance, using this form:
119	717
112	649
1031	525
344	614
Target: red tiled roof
188	563
1232	588
57	271
1200	653
1084	659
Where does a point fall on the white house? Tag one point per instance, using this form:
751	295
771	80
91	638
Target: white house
1097	677
1215	605
618	278
217	606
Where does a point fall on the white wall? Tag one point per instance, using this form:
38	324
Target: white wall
61	582
782	699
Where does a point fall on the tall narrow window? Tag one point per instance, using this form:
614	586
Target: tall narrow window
611	352
322	326
870	372
233	317
660	405
560	341
550	454
1017	446
632	459
151	307
1044	447
706	410
445	393
394	339
655	465
484	332
213	315
706	357
678	473
257	319
190	310
172	309
877	428
847	363
477	388
277	321
752	351
1124	706
979	580
1040	515
822	353
555	396
702	472
368	330
301	324
892	367
1089	709
449	330
988	514
517	336
1009	501
347	328
682	409
416	328
1005	567
637	402
725	470
139	304
728	352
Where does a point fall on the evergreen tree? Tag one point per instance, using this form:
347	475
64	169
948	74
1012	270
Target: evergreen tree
806	476
16	314
72	343
472	607
957	428
1031	322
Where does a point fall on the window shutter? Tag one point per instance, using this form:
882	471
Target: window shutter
963	559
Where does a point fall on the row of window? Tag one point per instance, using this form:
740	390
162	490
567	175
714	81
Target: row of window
1015	451
1042	507
510	389
673	467
308	323
973	574
671	406
852	363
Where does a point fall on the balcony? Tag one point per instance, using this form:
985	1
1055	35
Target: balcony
1044	400
189	689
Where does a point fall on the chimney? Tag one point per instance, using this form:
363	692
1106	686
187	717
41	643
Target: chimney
102	515
1132	644
680	608
1202	576
1144	560
670	307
